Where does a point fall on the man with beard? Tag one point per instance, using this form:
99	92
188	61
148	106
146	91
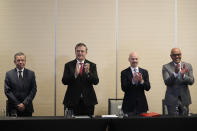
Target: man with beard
134	80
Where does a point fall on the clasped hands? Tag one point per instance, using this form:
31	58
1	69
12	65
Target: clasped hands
86	67
182	70
137	77
21	107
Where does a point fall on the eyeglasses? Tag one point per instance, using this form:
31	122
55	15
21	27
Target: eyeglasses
174	55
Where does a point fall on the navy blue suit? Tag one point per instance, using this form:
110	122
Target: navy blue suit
134	96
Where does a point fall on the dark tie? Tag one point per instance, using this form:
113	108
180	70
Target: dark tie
81	68
20	79
20	75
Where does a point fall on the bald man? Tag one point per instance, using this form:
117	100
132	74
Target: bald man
134	80
177	75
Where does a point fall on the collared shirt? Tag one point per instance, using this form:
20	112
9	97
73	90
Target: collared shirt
18	72
132	70
79	63
178	75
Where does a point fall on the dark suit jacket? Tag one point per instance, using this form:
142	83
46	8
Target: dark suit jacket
17	94
177	87
80	85
134	94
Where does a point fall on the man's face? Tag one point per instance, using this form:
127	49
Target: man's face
20	62
80	53
133	59
176	55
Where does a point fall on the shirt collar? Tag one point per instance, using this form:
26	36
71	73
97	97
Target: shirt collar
80	62
176	64
19	70
132	69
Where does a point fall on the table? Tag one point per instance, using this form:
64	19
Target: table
52	124
162	123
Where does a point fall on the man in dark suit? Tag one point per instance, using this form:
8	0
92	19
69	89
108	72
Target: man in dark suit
80	75
134	80
177	75
20	88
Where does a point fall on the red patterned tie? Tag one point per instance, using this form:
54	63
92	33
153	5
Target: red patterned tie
81	69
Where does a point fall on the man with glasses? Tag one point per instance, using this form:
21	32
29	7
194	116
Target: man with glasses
177	75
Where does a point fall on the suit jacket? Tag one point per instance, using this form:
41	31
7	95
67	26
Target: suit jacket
177	87
17	94
80	85
134	96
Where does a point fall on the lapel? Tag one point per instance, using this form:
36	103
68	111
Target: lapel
16	75
141	71
130	74
85	61
172	66
73	66
24	75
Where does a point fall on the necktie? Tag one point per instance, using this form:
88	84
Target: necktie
135	71
81	68
20	79
20	75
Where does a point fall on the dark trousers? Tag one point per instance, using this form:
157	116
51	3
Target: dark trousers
83	109
178	109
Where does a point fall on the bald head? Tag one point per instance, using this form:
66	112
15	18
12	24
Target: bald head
176	55
133	59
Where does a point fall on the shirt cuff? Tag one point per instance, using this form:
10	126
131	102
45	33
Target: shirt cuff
142	82
175	74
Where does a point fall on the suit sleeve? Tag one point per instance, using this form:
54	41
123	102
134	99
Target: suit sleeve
188	79
126	82
168	78
68	76
92	76
8	90
32	92
146	85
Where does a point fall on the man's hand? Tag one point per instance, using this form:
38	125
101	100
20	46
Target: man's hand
87	68
140	78
21	107
137	77
177	68
183	70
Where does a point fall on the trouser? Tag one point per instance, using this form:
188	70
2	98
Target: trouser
83	109
178	109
